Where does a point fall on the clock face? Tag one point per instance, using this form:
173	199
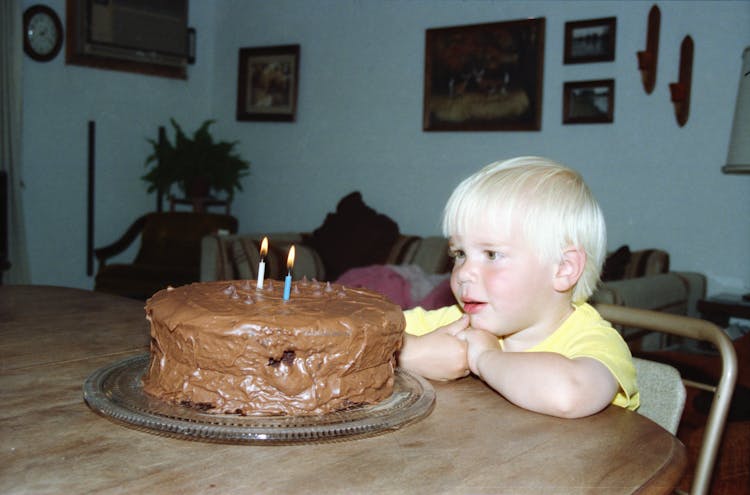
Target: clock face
42	33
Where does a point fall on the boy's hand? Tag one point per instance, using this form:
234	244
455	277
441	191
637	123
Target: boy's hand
544	382
438	355
478	342
454	328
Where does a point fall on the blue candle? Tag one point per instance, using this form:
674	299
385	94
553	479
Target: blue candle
288	279
287	286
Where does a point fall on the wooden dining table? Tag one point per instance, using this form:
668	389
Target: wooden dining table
473	441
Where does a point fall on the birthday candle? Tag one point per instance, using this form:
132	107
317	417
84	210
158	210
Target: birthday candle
262	263
288	279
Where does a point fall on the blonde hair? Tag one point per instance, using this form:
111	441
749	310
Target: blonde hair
553	205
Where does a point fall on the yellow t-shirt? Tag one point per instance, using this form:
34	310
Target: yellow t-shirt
582	334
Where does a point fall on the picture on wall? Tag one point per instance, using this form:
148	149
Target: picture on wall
589	102
484	77
267	83
592	40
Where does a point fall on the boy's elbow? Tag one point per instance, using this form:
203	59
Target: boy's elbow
577	402
584	394
568	408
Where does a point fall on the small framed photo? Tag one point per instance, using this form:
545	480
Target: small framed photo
592	40
268	78
589	102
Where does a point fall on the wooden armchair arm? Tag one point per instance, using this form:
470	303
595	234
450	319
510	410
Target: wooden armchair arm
104	253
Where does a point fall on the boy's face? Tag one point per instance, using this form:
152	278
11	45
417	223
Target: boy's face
501	283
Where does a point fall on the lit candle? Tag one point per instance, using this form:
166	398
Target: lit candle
262	263
288	279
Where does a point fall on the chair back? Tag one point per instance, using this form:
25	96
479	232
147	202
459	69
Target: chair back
174	238
703	331
662	393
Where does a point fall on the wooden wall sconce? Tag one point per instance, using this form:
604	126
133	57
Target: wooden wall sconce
680	90
647	59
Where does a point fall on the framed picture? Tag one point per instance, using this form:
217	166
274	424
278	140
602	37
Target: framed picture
484	77
589	102
590	41
267	83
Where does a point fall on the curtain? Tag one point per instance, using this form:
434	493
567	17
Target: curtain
11	53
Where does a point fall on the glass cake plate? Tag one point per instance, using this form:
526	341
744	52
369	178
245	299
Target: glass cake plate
116	392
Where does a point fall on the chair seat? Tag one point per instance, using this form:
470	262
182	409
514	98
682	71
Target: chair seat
140	280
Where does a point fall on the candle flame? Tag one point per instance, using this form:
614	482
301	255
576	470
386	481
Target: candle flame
290	259
264	247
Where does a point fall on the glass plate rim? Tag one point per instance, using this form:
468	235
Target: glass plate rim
114	391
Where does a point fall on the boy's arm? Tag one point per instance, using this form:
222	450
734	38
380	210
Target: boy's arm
437	355
544	382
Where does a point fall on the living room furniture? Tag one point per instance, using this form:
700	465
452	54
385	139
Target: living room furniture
474	441
199	204
738	155
169	252
662	393
355	236
721	307
702	331
236	256
647	283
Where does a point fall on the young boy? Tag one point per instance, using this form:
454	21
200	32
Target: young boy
528	241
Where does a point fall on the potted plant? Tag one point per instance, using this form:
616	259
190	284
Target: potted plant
196	164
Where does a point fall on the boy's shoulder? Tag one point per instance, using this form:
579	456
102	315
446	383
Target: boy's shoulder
584	324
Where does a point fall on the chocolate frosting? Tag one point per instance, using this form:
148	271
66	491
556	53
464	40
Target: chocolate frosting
227	347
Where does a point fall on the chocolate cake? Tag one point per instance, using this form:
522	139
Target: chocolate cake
227	347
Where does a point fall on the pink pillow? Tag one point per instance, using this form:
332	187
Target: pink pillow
439	297
381	279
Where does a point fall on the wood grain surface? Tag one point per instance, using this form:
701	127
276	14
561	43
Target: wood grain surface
474	441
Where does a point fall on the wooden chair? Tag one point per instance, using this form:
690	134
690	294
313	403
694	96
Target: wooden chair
169	253
703	331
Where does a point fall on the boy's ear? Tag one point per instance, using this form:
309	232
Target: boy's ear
570	268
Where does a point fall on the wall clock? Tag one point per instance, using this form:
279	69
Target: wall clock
42	33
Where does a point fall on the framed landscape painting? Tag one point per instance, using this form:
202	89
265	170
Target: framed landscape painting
484	77
589	102
267	83
592	40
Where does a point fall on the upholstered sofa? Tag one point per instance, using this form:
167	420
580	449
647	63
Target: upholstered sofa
412	260
358	246
645	282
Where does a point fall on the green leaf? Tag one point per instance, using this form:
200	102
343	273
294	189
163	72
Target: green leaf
194	158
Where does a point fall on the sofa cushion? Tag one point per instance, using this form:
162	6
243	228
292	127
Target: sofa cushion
647	262
246	256
355	235
405	285
380	278
439	297
615	264
624	263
